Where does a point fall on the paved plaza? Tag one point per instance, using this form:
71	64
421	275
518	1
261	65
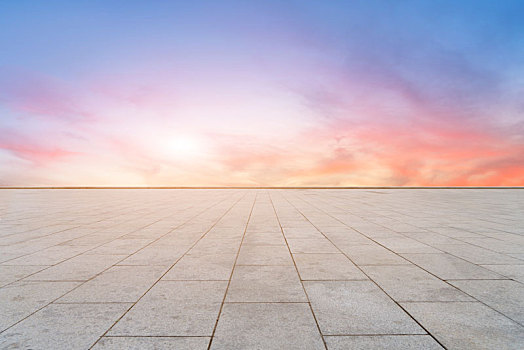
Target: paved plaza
262	269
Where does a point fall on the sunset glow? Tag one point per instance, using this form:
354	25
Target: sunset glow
267	93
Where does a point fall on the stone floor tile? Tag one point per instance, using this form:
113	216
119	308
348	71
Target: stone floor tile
156	255
411	283
216	246
448	267
406	245
515	272
264	255
306	232
504	296
80	268
265	284
63	326
152	343
117	284
21	299
202	267
372	254
464	325
12	273
264	238
382	342
327	267
48	256
357	307
174	308
478	255
267	326
311	246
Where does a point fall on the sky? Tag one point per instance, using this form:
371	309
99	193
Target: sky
261	93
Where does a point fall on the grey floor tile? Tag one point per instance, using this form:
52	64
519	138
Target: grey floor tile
202	267
264	255
406	245
307	232
216	246
265	284
12	273
174	308
121	246
504	296
459	325
79	268
156	255
264	238
117	284
448	267
478	255
152	343
411	283
357	307
382	342
49	256
63	326
372	254
311	246
515	272
267	326
327	267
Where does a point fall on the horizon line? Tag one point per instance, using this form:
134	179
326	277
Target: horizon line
247	187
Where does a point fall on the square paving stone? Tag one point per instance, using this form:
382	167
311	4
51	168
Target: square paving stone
311	246
382	342
411	283
117	284
20	299
12	273
264	255
327	267
152	343
264	238
464	325
202	267
449	267
79	268
267	326
265	284
63	326
372	254
357	307
515	272
505	296
174	308
478	255
156	255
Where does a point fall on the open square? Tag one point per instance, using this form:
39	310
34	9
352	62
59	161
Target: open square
262	268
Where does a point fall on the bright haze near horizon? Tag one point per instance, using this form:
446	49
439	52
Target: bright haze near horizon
261	93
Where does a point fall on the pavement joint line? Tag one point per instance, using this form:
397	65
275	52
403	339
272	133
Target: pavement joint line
231	274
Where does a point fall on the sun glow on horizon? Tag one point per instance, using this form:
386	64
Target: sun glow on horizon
334	93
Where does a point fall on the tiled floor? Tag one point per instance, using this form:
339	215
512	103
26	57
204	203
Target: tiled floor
262	269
